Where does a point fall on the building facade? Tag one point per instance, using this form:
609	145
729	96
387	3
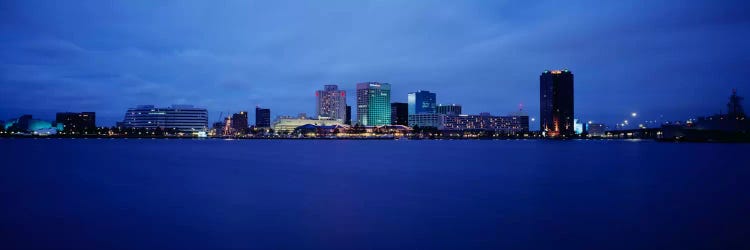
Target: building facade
422	102
76	122
348	120
427	120
373	104
556	103
596	129
452	109
239	122
262	117
331	103
512	124
400	113
185	118
287	124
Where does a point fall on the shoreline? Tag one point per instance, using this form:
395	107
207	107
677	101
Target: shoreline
739	140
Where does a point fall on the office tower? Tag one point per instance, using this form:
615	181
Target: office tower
556	103
453	109
76	122
331	103
421	102
400	113
348	120
239	122
373	104
262	117
184	118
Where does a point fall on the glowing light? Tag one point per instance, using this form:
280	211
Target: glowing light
634	114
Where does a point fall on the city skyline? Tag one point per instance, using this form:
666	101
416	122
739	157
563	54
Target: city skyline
482	54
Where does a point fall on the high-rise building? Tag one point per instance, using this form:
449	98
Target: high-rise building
239	122
76	122
348	120
421	102
184	118
556	103
262	117
331	103
452	109
373	104
400	113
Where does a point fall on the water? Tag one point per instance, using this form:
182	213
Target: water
284	194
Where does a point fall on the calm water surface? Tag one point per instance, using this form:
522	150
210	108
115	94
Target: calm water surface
284	194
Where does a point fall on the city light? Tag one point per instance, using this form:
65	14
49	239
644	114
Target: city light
634	114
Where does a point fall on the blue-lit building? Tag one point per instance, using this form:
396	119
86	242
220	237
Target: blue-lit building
422	102
185	118
26	124
373	104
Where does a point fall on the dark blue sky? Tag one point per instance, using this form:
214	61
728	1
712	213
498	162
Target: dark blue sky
678	59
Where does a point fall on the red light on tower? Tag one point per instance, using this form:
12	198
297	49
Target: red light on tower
343	93
316	93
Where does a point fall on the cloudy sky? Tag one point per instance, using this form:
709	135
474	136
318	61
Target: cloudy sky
676	59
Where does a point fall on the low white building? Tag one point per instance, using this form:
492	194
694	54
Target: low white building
287	124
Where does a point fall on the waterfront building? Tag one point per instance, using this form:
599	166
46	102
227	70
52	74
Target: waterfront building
76	122
183	118
331	103
262	117
578	127
422	102
556	103
348	120
427	120
596	129
373	104
287	124
399	113
512	124
734	120
26	124
452	109
239	122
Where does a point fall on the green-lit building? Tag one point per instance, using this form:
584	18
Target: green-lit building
373	104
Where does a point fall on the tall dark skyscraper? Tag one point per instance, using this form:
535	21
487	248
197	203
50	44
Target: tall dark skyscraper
348	119
556	103
400	113
262	117
239	121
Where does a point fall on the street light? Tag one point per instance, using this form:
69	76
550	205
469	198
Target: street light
634	114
